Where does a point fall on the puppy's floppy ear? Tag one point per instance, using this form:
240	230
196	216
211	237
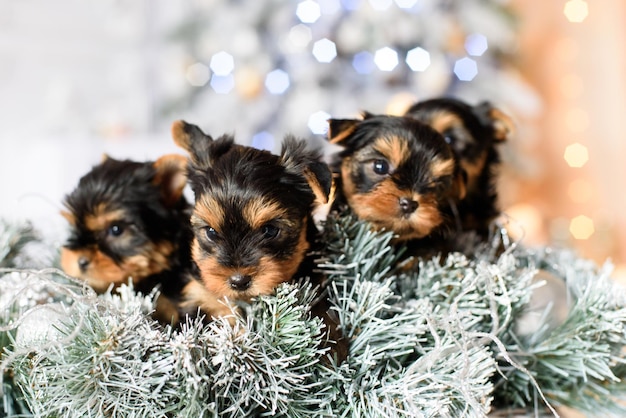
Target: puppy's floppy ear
502	124
367	115
191	138
340	129
170	177
307	163
69	217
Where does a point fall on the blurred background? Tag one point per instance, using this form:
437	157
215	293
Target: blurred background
79	79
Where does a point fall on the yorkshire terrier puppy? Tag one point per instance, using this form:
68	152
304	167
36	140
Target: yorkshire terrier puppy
474	133
252	221
130	220
398	174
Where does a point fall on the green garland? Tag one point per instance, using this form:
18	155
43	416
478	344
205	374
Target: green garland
444	340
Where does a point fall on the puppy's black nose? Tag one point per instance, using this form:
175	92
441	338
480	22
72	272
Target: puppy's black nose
83	263
240	282
407	205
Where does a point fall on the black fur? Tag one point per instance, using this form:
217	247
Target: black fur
239	174
228	179
474	139
148	217
421	146
424	145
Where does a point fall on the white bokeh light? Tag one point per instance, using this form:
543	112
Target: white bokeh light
406	4
329	7
222	63
363	62
324	50
318	122
300	35
222	84
386	59
476	44
465	69
277	82
380	4
308	11
418	59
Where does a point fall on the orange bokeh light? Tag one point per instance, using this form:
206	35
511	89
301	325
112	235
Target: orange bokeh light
581	227
576	155
576	10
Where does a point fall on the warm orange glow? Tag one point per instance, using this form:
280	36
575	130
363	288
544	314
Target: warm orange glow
577	120
526	222
399	104
619	274
576	155
248	82
576	10
571	86
581	227
580	190
565	49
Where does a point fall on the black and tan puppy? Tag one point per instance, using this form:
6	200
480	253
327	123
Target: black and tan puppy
130	220
398	174
252	221
474	133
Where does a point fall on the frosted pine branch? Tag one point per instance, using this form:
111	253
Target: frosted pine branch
444	340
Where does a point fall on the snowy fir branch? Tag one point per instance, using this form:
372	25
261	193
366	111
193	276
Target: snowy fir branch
455	336
13	239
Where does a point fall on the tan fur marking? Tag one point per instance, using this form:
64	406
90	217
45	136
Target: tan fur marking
153	259
69	261
442	121
100	219
171	177
102	271
381	208
394	148
195	295
69	217
502	124
181	138
320	195
440	168
265	276
260	211
166	311
379	204
210	211
321	211
346	127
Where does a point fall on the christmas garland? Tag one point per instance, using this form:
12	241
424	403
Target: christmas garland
455	337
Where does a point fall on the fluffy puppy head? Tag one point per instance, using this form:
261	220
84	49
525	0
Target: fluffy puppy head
397	173
252	213
125	218
472	132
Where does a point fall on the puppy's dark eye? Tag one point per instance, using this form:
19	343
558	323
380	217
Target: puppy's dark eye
210	233
270	231
448	136
115	230
381	167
